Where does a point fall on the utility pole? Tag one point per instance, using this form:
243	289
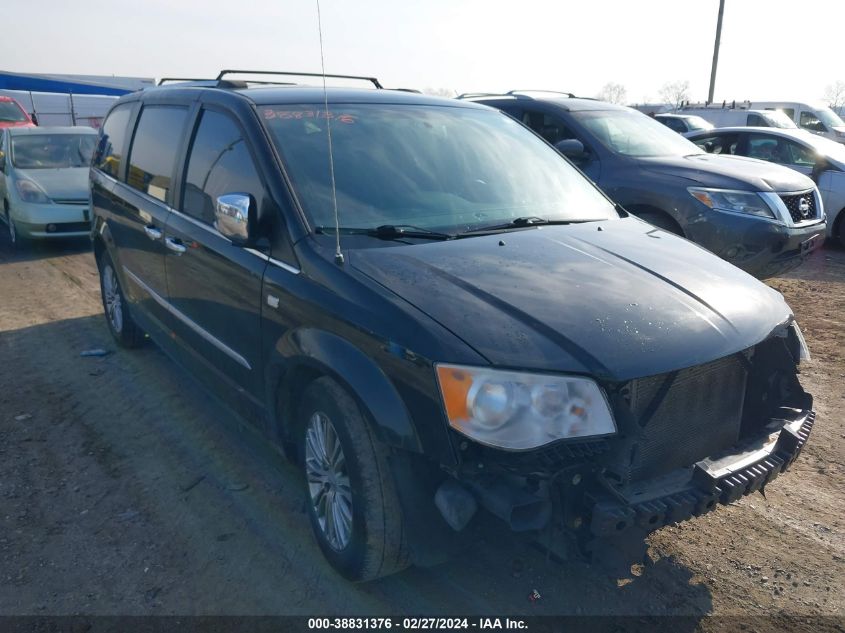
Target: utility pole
716	52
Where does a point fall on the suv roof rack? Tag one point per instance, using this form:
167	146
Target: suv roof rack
513	93
223	73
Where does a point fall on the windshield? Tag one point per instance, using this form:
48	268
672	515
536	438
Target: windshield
632	133
697	123
52	151
829	117
10	112
438	168
778	118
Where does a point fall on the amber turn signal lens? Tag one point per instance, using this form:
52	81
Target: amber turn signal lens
454	385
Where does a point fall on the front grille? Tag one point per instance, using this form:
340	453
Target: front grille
74	201
73	227
801	211
685	416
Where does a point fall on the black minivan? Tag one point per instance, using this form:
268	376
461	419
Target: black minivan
440	314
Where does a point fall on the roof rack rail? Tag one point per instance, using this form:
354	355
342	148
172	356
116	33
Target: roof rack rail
556	92
470	95
169	79
223	73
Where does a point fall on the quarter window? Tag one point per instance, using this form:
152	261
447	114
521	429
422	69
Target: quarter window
112	139
154	148
219	163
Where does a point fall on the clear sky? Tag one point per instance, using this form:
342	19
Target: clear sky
771	49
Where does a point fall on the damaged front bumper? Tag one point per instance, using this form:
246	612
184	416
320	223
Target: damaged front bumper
649	505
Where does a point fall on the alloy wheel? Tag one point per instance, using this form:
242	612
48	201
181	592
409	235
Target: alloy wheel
328	481
111	296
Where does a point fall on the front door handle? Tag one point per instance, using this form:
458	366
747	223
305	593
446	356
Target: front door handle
152	232
174	245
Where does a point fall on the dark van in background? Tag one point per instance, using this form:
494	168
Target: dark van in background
743	210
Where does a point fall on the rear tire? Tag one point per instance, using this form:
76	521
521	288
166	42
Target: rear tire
118	318
661	221
351	496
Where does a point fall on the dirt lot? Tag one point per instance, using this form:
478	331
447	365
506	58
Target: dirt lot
125	490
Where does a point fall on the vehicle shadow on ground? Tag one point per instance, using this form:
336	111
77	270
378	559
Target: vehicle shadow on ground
826	262
218	516
40	249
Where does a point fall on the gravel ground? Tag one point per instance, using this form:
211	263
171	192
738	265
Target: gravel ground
125	490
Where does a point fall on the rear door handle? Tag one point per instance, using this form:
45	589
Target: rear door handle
152	232
174	245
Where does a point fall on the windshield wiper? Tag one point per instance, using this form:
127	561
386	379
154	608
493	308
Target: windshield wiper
389	232
521	222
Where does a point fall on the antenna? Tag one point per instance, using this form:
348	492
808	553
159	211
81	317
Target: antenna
338	255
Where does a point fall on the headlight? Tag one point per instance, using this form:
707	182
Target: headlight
518	411
31	192
803	348
734	201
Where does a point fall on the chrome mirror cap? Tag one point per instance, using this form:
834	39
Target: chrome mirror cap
231	216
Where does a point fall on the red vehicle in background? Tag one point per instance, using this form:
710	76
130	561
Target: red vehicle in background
12	114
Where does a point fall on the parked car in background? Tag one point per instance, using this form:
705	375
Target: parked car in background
684	124
736	207
821	159
476	325
12	114
44	182
731	116
817	118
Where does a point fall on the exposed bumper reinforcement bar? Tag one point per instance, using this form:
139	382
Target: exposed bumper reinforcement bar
721	479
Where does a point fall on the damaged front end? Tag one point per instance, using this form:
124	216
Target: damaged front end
686	441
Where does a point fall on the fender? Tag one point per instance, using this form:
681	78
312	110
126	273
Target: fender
309	351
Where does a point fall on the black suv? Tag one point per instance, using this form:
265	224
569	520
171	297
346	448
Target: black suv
740	209
476	325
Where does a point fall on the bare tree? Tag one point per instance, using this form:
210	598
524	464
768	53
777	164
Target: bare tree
613	92
675	92
834	94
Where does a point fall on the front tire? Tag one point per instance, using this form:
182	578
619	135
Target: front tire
118	318
661	221
351	496
15	239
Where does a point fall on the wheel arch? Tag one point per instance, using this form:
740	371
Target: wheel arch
306	354
637	209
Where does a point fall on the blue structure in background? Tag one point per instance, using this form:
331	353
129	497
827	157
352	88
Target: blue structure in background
73	84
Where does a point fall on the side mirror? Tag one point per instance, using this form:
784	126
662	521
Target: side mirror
709	147
235	217
573	149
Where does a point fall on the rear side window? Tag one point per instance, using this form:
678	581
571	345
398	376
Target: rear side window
757	120
219	163
112	140
719	143
154	149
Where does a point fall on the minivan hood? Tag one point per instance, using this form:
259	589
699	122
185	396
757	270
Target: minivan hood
69	183
616	299
732	172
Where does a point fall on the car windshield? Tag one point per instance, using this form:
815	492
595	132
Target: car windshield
52	151
778	118
829	117
632	133
697	123
441	168
10	112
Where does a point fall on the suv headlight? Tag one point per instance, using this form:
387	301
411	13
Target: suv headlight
519	411
29	191
734	201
